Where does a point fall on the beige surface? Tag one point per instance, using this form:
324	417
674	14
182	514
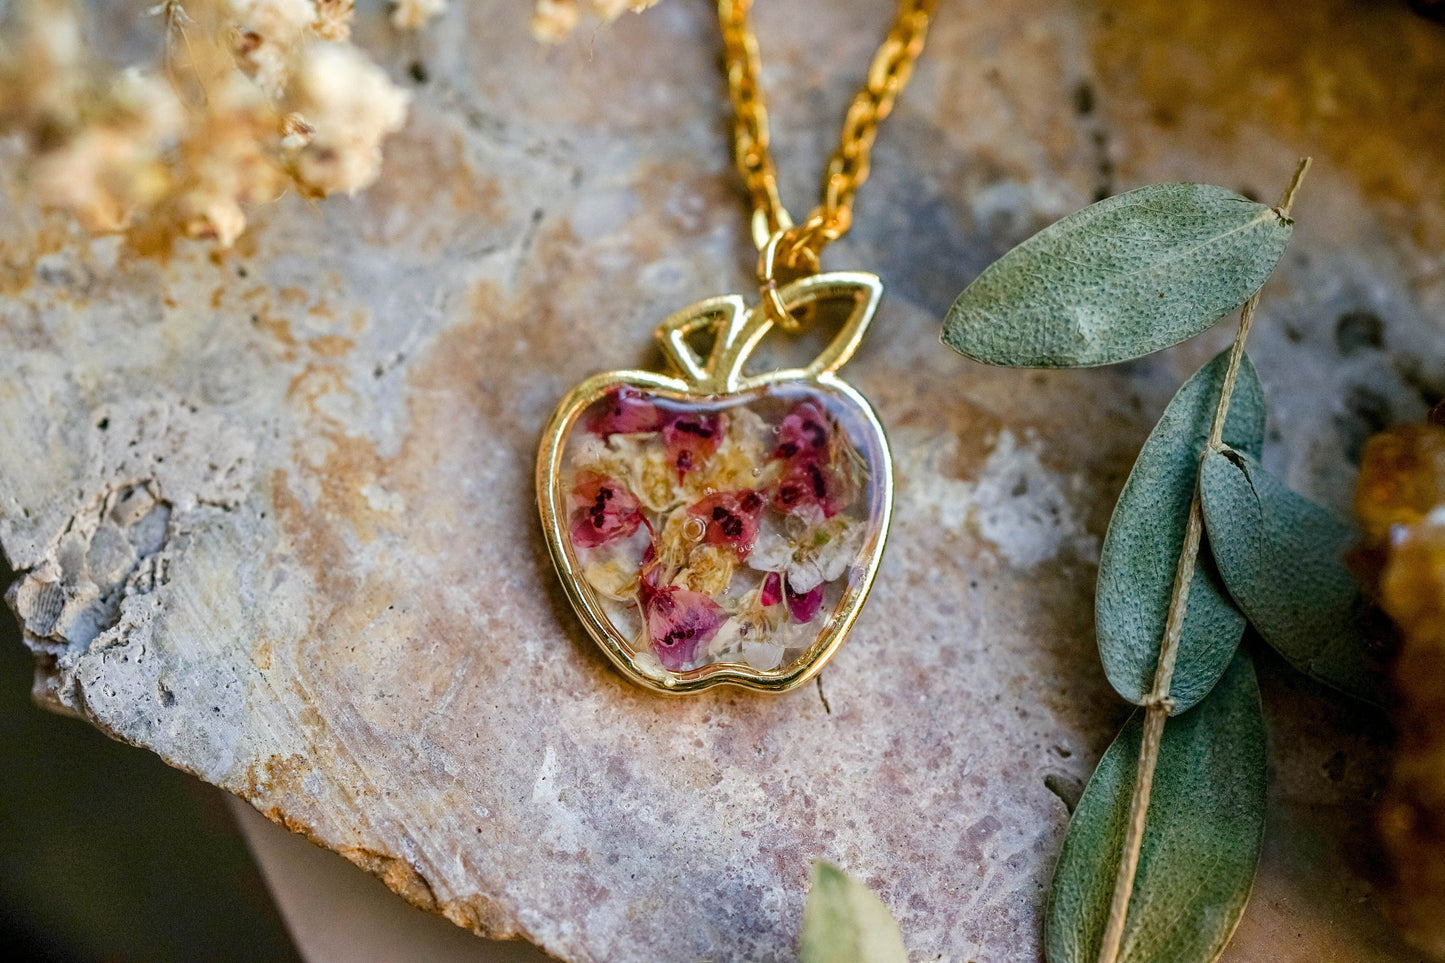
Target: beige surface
274	510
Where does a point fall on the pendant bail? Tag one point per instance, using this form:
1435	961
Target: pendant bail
789	255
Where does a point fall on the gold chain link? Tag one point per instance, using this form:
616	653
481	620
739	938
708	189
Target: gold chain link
793	251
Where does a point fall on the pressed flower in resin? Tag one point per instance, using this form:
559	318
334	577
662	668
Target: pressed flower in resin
603	510
679	623
803	433
807	553
691	439
772	591
719	531
624	412
730	518
804	606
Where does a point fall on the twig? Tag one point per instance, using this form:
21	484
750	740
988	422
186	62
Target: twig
1158	704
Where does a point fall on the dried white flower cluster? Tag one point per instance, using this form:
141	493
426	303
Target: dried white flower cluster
413	14
553	20
256	97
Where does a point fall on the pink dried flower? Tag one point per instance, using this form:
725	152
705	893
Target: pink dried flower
731	519
692	438
811	485
625	412
804	606
604	510
804	433
772	591
679	623
818	474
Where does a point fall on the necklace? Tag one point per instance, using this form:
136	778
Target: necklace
714	526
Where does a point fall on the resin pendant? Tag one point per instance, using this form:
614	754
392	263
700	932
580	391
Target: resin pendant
714	527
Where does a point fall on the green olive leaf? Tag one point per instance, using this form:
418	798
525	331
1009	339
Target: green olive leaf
1146	535
1201	842
1282	559
843	922
1119	279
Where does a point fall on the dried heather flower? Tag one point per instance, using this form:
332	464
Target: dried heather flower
604	510
679	623
692	438
730	518
803	606
624	411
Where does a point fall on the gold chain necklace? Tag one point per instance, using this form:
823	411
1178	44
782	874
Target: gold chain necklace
713	526
799	247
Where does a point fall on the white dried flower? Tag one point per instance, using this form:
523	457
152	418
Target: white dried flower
149	106
333	19
264	34
97	151
274	99
413	14
553	20
41	68
113	166
213	216
809	556
296	132
96	175
229	159
350	106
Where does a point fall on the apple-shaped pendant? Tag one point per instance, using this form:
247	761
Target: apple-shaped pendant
713	527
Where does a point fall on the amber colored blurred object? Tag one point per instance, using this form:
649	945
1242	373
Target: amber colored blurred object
1401	506
1402	477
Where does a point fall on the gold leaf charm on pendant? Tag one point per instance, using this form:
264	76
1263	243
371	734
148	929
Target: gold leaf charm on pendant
712	527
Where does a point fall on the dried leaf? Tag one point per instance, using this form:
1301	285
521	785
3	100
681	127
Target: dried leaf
843	922
1282	559
1146	535
1201	843
1119	279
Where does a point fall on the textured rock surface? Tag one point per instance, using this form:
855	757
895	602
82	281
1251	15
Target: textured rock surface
273	514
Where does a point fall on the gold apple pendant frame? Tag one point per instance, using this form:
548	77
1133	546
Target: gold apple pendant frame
737	332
